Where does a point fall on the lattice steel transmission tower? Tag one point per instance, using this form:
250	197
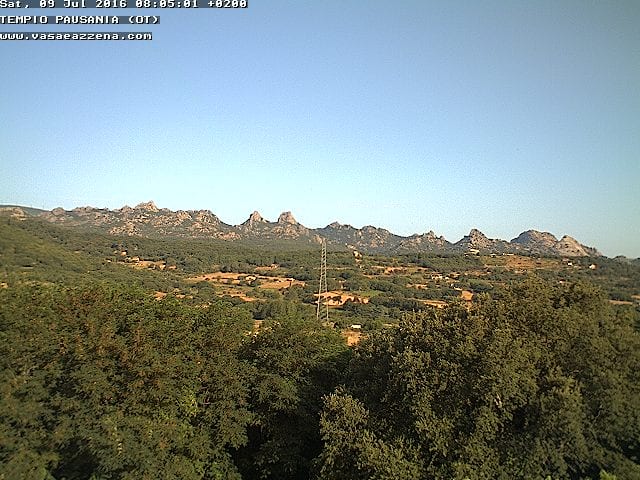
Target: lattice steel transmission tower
322	289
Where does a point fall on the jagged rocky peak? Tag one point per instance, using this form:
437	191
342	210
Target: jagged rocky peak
568	239
339	226
431	235
202	211
254	220
148	206
570	247
147	219
83	209
370	229
423	242
476	234
531	237
205	216
479	241
475	239
287	217
255	217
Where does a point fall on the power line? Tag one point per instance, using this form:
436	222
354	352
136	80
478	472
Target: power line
322	288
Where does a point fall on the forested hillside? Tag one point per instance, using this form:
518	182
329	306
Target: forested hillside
132	358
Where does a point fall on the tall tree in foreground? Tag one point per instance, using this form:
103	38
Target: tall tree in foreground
535	381
295	363
103	383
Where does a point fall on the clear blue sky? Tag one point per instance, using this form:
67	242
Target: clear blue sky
408	115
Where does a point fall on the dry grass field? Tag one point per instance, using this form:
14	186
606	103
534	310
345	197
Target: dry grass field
338	298
264	282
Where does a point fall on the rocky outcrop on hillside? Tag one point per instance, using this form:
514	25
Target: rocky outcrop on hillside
286	227
146	219
13	212
539	243
569	246
545	243
287	218
366	239
426	242
254	220
478	241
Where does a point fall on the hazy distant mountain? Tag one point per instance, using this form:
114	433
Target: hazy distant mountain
147	220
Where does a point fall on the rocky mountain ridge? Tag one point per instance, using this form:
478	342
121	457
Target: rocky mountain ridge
147	220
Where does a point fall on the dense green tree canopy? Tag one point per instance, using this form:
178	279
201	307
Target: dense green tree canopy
536	382
296	362
117	385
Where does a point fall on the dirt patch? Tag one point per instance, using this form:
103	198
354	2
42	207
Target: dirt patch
466	295
517	262
273	266
620	302
218	277
337	298
275	283
434	303
352	337
278	283
144	264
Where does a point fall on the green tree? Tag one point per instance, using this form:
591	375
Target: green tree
353	451
296	362
535	381
112	383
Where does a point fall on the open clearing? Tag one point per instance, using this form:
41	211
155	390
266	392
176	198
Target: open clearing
337	298
261	281
352	337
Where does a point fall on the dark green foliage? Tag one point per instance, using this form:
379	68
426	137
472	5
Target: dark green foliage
32	250
280	308
117	385
354	451
535	380
104	382
296	363
539	382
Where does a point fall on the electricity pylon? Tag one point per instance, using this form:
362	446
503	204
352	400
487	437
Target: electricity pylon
322	289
